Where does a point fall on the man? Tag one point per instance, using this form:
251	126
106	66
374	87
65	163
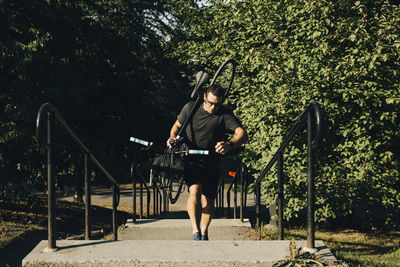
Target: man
206	130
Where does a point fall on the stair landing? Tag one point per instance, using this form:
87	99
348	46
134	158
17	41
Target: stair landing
175	253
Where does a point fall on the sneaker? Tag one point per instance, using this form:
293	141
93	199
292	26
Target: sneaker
204	237
196	236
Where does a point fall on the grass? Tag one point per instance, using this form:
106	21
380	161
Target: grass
10	231
24	223
353	247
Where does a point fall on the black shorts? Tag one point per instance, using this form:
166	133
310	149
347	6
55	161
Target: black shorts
203	171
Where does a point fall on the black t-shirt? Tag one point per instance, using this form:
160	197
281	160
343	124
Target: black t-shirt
205	129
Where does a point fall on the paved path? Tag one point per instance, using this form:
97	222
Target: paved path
103	196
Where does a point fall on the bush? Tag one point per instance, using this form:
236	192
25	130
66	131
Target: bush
343	54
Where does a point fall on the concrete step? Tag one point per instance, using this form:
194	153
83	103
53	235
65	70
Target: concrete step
181	229
177	253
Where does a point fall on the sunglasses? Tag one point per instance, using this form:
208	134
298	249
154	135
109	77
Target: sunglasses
217	105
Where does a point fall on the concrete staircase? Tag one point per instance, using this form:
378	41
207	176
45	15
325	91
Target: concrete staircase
165	253
180	229
167	242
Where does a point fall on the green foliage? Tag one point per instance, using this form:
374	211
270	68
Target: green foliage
343	54
104	65
101	63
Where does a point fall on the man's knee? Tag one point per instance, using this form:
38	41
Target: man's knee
195	190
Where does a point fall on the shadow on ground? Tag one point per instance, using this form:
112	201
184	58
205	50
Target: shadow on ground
70	224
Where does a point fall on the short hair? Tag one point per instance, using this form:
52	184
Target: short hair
216	90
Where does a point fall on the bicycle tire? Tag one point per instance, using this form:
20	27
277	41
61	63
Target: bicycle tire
179	179
219	72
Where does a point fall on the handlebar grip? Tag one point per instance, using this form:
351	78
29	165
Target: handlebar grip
176	141
139	141
198	152
172	142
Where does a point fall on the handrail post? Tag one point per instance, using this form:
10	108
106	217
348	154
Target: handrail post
246	187
310	184
141	199
133	193
114	212
235	197
258	205
164	197
222	197
219	200
258	209
280	196
228	201
241	193
148	198
87	200
51	198
155	200
160	203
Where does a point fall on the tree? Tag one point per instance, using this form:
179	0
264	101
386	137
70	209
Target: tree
342	54
101	63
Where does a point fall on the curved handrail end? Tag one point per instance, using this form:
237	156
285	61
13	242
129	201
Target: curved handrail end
319	115
39	124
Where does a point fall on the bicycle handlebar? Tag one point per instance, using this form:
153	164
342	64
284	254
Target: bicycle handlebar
187	151
198	152
193	152
139	141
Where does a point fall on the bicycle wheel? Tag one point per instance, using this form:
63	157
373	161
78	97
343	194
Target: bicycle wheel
175	187
225	75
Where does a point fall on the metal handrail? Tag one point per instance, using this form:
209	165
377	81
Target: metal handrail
134	168
242	178
162	199
157	199
228	196
316	141
39	125
315	127
52	113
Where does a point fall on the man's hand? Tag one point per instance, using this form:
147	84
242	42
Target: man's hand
169	141
174	131
223	147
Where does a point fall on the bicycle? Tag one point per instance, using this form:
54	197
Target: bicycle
169	167
168	160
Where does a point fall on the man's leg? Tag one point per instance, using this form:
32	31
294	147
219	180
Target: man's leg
207	213
193	206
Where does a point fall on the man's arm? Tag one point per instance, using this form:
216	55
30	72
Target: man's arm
174	131
240	137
